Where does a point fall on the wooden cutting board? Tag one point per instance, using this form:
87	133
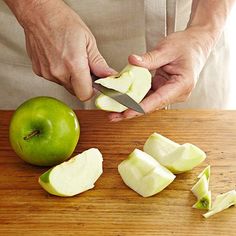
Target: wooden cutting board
111	208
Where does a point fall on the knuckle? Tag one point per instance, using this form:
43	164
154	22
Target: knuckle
58	72
98	59
77	64
150	57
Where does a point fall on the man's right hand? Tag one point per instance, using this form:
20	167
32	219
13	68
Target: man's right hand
61	47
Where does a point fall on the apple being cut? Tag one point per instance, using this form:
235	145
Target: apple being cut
144	174
44	131
74	176
132	80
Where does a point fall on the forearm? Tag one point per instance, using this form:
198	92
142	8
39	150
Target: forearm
29	10
210	15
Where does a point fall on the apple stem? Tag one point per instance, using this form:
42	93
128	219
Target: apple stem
32	134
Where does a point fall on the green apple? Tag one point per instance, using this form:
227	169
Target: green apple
144	174
74	176
222	202
132	80
44	131
175	157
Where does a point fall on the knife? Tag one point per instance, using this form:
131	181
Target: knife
122	98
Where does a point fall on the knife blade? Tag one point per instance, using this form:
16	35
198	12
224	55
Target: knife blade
122	98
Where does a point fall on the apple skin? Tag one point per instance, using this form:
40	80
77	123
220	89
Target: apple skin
57	131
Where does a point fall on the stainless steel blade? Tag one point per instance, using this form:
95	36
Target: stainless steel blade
122	98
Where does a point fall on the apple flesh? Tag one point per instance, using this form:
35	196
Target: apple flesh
222	202
44	131
206	172
74	176
175	157
201	190
144	174
204	202
132	80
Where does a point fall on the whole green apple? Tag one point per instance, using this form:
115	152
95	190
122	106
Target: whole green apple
44	131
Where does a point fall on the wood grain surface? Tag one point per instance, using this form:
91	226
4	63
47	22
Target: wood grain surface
111	208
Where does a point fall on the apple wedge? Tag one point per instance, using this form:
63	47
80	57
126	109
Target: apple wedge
222	202
206	172
201	190
204	202
74	176
144	174
175	157
132	80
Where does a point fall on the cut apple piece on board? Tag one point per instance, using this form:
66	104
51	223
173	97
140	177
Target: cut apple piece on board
132	80
144	174
74	176
222	202
206	172
204	202
200	189
175	157
158	146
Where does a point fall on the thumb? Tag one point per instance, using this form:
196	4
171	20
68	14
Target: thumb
98	64
150	60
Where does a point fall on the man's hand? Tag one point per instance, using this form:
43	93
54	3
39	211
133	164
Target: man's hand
180	57
177	61
61	47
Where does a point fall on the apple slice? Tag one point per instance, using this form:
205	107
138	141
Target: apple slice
132	80
200	189
144	174
222	202
204	202
206	172
177	158
74	176
158	146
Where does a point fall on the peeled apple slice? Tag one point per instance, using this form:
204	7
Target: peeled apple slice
175	157
132	80
158	146
144	174
206	172
74	176
204	202
201	190
222	202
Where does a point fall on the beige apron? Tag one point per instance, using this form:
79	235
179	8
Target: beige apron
121	27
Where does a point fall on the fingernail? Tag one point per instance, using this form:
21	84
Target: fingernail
138	58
